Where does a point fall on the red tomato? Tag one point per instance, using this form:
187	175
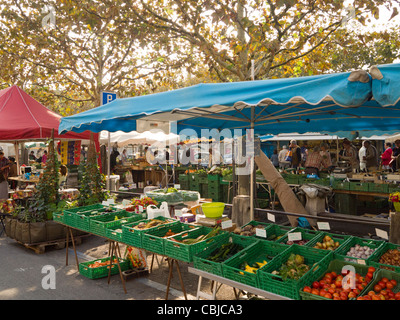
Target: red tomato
307	289
382	284
331	291
367	297
334	274
377	288
384	292
371	293
391	294
361	279
371	269
356	291
315	291
385	280
376	297
382	297
328	295
397	296
393	282
352	295
389	285
370	275
315	285
338	283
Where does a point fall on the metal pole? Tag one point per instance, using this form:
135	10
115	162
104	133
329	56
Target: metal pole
252	167
109	162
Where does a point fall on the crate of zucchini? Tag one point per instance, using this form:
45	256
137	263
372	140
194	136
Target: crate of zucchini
212	258
185	245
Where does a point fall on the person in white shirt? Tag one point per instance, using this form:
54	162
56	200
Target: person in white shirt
361	155
281	158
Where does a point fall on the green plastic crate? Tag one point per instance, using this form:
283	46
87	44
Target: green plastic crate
359	186
306	234
336	266
258	252
185	252
59	217
133	237
379	187
275	231
342	251
201	262
98	225
342	239
113	229
102	272
213	177
80	217
203	179
255	223
340	185
183	178
318	260
154	240
382	273
374	261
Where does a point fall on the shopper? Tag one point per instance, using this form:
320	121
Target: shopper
63	175
350	154
371	156
386	156
314	161
283	164
395	156
32	156
295	154
4	169
275	159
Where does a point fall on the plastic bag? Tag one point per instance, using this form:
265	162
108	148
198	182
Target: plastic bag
153	212
288	156
137	257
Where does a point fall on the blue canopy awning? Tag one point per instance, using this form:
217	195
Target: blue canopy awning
325	103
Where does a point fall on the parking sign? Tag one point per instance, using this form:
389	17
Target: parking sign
107	97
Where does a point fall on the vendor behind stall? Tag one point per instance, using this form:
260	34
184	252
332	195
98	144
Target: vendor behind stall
314	161
13	172
350	154
371	156
326	156
4	169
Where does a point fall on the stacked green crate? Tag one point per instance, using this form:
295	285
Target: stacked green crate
194	184
215	188
184	181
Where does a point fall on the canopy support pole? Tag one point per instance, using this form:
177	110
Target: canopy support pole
109	162
252	166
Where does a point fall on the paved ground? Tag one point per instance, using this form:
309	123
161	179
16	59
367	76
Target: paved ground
22	276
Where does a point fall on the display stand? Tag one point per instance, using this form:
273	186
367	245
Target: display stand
116	252
234	284
171	266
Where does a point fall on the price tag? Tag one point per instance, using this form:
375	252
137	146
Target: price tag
261	233
126	202
323	226
226	224
294	236
178	213
140	209
177	186
361	261
110	201
271	217
382	233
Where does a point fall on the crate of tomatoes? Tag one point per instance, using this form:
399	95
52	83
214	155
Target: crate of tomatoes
341	281
385	286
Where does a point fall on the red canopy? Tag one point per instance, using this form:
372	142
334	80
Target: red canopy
24	118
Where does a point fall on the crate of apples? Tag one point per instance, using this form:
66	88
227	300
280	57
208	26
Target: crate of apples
382	290
331	286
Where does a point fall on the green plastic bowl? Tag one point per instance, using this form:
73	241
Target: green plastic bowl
213	209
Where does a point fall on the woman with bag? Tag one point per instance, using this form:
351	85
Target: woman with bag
294	154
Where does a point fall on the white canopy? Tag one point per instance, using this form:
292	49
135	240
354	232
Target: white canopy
134	137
